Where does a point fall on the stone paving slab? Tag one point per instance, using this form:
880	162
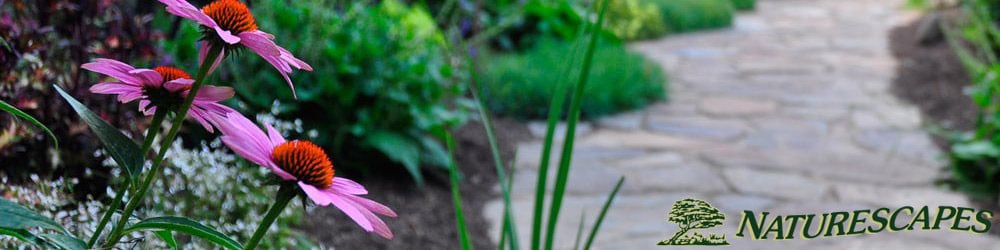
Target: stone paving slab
788	111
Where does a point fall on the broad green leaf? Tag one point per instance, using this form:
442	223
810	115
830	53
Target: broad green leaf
185	225
125	152
22	235
16	217
399	148
63	241
167	237
17	112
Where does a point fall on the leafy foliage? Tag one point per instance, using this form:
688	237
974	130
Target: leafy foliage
539	20
381	79
18	222
634	19
690	15
522	85
974	155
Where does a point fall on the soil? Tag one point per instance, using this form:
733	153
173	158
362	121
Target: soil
931	77
426	214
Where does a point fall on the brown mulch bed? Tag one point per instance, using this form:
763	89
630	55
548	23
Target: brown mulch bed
931	77
426	215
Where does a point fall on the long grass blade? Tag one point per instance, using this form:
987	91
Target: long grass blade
604	212
555	113
456	195
18	113
574	116
579	231
502	176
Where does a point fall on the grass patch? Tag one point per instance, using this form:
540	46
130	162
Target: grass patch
522	85
744	4
691	15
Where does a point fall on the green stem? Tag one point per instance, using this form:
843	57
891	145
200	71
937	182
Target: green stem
134	201
285	195
147	143
456	194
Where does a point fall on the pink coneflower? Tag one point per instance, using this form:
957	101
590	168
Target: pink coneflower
229	23
307	165
160	87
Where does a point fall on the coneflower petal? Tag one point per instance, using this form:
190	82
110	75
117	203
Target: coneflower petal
214	93
378	226
274	136
317	196
149	77
372	205
203	52
351	209
347	186
113	88
115	69
200	116
227	36
184	9
178	84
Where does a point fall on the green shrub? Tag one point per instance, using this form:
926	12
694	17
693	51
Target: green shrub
690	15
522	85
540	20
744	4
634	19
381	80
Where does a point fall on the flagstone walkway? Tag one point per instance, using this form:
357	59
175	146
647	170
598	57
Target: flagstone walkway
788	111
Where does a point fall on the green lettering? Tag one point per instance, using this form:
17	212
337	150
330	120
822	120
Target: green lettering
922	216
755	226
836	219
892	219
777	228
880	220
855	219
791	226
941	215
819	227
983	217
959	218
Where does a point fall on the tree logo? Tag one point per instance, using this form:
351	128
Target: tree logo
693	214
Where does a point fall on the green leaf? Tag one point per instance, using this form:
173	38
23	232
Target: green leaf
16	217
63	241
167	237
975	150
434	153
17	112
125	152
400	149
185	225
23	235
